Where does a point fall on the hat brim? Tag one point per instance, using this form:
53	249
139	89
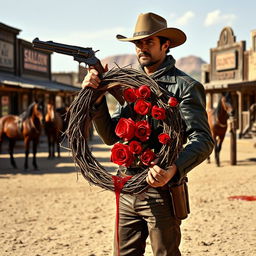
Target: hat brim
175	35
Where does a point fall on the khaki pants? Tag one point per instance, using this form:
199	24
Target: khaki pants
149	216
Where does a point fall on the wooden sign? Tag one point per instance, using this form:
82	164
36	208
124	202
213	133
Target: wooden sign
227	58
6	55
226	61
35	61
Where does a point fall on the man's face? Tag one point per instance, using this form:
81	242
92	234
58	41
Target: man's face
149	51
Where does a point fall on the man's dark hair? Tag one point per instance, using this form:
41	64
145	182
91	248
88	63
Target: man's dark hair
162	41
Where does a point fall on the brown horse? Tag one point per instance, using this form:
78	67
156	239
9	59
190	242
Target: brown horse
27	126
217	119
53	129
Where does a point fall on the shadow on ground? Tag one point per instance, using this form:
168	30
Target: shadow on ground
63	164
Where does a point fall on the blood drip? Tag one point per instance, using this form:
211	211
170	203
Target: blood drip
119	183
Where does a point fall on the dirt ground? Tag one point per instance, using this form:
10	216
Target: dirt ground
54	211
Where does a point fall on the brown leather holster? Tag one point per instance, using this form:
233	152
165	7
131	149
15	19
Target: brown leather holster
180	199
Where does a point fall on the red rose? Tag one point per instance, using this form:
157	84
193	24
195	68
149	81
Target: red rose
125	129
173	102
142	107
164	138
143	92
147	157
130	95
135	147
121	155
158	113
142	130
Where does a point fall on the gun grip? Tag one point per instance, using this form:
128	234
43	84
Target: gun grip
98	66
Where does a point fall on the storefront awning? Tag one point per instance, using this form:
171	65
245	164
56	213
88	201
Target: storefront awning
230	86
16	81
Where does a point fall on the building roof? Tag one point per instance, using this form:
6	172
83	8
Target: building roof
16	81
9	28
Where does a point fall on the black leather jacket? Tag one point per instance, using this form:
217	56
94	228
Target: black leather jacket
191	96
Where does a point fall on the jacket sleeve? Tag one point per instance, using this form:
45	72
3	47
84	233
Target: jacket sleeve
104	123
199	140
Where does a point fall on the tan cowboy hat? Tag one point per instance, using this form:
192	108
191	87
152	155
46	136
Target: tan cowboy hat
151	24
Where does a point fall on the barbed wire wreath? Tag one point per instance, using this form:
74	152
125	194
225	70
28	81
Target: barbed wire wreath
115	82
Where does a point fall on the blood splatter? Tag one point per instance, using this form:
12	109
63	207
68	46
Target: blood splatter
244	198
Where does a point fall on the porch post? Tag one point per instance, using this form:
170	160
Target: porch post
233	147
240	113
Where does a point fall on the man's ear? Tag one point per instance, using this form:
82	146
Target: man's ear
167	44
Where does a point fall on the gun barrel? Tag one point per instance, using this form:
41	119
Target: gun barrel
63	48
80	54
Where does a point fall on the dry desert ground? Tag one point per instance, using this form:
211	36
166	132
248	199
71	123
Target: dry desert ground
54	211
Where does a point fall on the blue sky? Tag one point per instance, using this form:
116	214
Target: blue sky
95	23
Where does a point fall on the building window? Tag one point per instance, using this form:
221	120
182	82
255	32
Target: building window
5	105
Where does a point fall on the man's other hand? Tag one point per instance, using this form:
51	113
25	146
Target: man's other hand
158	177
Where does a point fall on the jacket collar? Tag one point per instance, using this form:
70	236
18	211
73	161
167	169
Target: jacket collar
165	72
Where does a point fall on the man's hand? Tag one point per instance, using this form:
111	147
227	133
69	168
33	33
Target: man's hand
91	79
158	177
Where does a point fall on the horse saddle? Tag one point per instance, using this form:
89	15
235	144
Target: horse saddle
20	120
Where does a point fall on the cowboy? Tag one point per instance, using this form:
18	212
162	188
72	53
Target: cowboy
152	215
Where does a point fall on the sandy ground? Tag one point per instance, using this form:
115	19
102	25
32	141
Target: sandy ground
54	211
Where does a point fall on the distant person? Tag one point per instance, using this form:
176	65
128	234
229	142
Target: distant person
153	215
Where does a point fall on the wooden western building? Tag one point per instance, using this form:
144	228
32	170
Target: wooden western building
25	75
232	69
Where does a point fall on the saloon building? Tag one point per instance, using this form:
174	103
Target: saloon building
232	69
25	75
